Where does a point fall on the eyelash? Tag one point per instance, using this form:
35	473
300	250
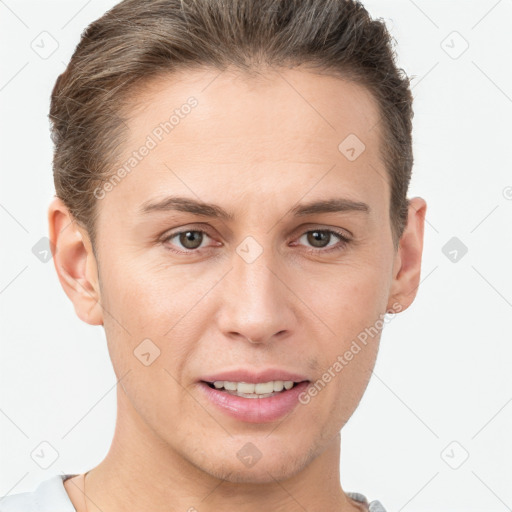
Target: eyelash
344	241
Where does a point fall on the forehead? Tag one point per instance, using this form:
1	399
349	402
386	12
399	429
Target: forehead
286	129
276	105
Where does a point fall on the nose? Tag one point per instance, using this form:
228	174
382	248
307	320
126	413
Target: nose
256	305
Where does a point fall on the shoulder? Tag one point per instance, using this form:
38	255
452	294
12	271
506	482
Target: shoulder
49	496
372	506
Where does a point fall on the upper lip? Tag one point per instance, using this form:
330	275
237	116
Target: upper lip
254	376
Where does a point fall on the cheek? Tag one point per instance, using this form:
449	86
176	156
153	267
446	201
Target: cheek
150	302
150	296
347	357
349	299
351	307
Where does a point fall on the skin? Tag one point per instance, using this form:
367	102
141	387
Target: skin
256	148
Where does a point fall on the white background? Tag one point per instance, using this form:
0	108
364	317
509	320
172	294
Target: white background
442	377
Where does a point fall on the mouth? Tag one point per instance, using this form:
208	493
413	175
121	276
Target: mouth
251	397
254	395
255	389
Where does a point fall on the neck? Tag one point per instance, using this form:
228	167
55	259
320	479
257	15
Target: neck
141	472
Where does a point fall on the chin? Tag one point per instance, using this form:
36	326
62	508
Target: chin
261	475
276	465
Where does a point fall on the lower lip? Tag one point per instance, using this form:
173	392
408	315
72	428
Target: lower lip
255	410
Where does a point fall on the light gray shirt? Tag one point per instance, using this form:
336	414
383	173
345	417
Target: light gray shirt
51	496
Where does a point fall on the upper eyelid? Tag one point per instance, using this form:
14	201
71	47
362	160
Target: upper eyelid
311	227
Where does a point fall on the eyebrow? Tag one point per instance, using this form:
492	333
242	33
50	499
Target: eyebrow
189	205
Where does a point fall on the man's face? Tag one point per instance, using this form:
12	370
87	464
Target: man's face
266	289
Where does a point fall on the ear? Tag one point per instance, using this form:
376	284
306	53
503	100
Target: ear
407	265
75	263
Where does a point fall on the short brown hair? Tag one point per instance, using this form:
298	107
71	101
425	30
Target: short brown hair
141	39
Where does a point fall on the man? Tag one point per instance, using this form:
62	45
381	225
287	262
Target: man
231	182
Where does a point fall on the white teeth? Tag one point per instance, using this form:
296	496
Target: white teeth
243	387
278	385
261	388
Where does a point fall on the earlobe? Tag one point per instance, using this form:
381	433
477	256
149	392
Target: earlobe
75	263
407	264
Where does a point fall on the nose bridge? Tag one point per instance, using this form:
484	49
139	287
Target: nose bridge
254	302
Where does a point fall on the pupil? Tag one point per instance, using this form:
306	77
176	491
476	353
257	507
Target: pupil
191	239
314	239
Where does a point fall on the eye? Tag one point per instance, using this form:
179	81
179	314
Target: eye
320	238
190	240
